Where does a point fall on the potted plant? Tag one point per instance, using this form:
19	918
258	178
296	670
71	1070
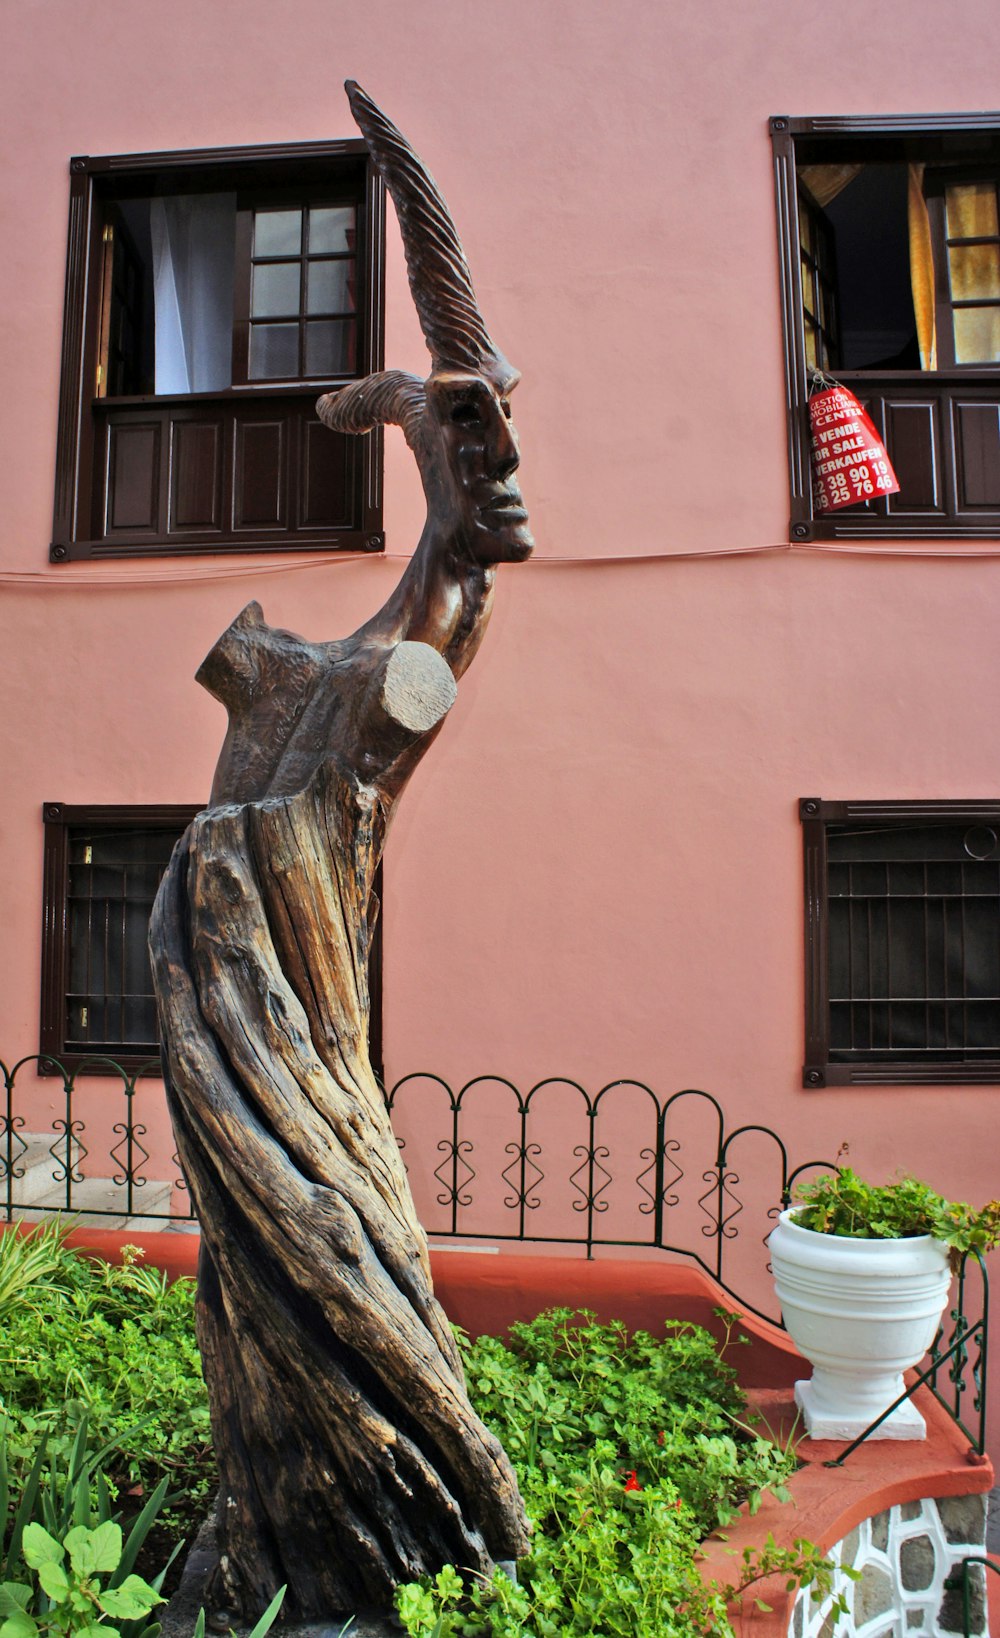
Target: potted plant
862	1272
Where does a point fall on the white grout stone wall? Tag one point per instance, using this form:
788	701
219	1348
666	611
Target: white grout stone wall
905	1555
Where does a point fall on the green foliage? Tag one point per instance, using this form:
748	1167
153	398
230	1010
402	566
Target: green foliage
841	1203
71	1596
65	1508
628	1452
115	1344
28	1263
801	1565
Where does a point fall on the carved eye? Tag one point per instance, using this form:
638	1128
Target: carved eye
466	413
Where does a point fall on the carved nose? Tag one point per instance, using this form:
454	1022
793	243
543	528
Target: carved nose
504	454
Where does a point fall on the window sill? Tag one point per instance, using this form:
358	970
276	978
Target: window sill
817	1076
206	545
238	394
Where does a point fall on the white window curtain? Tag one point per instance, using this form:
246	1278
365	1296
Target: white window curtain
194	240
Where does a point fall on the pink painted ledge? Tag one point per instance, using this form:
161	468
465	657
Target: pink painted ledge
486	1293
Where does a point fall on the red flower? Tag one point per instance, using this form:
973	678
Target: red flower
631	1482
661	1437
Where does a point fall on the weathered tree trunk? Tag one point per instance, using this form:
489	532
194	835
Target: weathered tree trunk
350	1456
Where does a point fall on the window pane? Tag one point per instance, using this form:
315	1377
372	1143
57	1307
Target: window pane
975	271
330	347
331	228
828	312
977	335
808	294
274	351
810	338
277	232
805	227
330	287
275	289
972	210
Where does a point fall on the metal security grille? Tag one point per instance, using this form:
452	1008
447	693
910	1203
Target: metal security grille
113	878
904	941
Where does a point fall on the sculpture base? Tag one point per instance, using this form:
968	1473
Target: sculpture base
178	1617
905	1422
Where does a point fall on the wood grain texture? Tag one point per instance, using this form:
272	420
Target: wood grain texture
350	1455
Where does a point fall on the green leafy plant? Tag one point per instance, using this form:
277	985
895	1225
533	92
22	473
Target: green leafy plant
842	1203
61	1527
628	1450
28	1265
72	1596
112	1343
61	1491
802	1564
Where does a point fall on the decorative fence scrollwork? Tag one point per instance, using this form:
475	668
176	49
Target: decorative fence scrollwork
557	1164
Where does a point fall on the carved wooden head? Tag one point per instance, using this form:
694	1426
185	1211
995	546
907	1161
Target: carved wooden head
457	422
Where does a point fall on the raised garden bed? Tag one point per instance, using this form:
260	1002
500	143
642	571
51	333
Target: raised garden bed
905	1514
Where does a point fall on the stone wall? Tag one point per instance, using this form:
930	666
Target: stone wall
904	1557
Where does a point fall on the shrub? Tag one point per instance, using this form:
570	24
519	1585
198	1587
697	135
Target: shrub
628	1452
115	1344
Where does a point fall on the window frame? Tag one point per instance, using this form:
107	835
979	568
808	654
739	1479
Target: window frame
244	319
817	817
279	168
936	183
59	819
903	136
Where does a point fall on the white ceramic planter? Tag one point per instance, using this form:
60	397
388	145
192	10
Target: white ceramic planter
862	1312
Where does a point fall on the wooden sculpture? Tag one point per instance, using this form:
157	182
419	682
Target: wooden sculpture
350	1456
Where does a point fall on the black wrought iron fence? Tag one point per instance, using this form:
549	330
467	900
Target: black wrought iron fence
622	1167
556	1165
567	1168
49	1159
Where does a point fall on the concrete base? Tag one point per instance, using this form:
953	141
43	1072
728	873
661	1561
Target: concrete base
905	1422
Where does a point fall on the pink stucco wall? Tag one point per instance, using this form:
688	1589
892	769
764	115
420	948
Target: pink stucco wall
597	870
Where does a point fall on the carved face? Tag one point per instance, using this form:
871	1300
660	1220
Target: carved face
479	456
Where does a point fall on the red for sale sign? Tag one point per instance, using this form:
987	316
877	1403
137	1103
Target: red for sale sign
849	461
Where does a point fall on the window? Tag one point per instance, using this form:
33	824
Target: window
103	866
902	942
890	265
210	299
